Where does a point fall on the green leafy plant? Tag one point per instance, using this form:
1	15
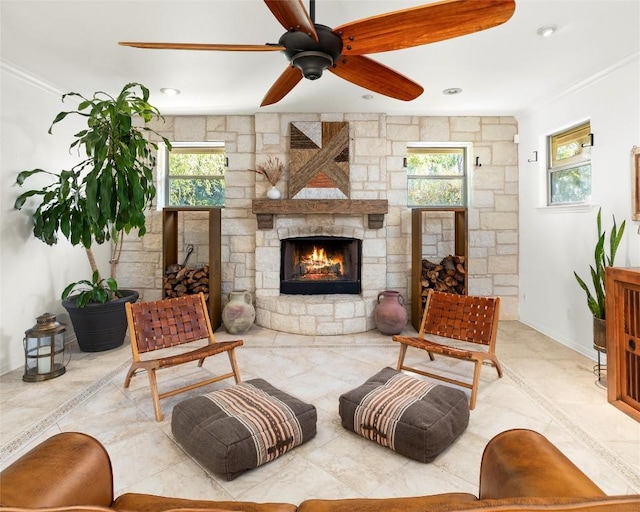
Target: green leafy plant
596	300
108	191
98	290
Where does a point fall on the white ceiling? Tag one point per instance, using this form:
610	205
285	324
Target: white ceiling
72	46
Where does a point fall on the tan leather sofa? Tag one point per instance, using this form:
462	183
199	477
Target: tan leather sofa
521	471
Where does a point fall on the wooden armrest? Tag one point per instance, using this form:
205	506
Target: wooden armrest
199	353
434	346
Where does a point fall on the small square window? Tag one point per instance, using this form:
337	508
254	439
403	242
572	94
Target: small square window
436	176
193	175
569	172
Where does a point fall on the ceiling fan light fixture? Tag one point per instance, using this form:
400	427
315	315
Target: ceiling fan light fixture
169	91
312	64
546	31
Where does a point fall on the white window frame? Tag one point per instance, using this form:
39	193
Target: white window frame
582	159
164	178
466	177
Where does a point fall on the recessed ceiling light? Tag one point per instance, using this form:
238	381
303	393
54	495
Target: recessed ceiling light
546	31
169	91
367	97
452	90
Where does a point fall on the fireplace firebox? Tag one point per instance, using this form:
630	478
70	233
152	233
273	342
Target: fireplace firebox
317	265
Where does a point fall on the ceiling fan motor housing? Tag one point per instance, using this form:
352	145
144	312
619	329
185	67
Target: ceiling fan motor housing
312	57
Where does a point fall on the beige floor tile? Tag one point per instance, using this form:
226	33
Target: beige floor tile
546	387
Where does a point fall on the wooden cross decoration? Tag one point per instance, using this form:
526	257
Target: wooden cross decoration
319	156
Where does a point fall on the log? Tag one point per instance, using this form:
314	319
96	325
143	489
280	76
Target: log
449	266
180	280
446	276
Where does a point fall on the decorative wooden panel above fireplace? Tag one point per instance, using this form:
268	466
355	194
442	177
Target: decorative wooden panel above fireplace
319	160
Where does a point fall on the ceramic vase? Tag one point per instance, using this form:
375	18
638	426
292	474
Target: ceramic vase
390	315
273	193
238	315
599	334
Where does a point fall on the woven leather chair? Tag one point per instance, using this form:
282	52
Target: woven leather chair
467	327
167	324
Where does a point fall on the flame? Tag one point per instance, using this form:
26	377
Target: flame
318	265
319	259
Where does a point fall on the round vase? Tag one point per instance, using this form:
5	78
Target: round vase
238	315
273	193
390	315
100	327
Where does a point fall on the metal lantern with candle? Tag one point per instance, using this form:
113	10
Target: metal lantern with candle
44	350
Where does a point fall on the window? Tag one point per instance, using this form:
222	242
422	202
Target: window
436	176
569	174
192	174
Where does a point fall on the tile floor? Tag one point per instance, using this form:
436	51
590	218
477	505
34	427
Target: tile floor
546	387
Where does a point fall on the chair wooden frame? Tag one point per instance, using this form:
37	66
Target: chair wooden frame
464	318
166	323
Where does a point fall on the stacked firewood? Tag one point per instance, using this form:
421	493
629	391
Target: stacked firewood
180	280
446	276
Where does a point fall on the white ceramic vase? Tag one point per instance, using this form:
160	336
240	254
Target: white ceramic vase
273	193
238	315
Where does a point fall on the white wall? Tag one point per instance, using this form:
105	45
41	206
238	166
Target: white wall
32	274
554	243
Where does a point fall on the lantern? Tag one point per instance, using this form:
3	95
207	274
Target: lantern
44	350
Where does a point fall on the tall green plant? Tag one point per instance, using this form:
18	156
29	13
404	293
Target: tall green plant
596	301
108	191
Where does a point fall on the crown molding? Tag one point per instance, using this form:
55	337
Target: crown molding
582	84
30	78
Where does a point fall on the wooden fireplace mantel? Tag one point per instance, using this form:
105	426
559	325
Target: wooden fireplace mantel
265	209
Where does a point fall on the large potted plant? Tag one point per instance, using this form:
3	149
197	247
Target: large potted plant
97	200
596	300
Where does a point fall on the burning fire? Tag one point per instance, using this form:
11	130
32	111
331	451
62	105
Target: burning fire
319	265
317	259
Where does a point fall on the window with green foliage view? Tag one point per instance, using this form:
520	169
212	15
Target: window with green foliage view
195	176
569	171
436	176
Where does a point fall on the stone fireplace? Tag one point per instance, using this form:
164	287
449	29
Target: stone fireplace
316	265
330	308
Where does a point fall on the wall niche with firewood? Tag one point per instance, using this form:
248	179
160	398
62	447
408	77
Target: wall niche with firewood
191	275
444	266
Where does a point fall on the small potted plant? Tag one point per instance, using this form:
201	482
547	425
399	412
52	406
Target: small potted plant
97	200
272	170
596	301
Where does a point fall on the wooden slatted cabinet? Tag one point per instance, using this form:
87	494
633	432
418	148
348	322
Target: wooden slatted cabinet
623	339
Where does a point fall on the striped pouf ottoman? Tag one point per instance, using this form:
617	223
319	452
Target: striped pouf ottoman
415	418
242	427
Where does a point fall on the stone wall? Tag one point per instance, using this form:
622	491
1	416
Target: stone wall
378	146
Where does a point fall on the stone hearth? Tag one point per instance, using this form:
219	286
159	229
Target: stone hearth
318	314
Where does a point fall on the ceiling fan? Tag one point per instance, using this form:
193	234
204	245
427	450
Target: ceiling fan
311	47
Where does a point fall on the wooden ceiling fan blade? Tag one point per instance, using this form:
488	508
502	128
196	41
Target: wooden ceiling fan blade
422	25
282	86
293	15
376	77
205	46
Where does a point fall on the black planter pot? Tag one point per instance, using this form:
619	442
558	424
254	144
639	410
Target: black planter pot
100	327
